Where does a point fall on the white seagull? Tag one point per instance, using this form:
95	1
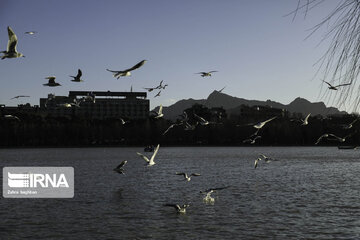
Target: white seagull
186	177
159	114
208	193
77	77
179	209
206	74
150	161
305	121
11	51
262	124
31	32
11	117
51	82
126	72
256	162
119	169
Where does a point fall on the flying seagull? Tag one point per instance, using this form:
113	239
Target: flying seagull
51	82
126	72
77	77
150	161
350	125
208	193
19	96
159	114
11	117
331	87
119	169
262	124
186	177
206	74
170	127
202	120
251	140
158	94
305	121
11	51
331	136
265	158
179	209
31	32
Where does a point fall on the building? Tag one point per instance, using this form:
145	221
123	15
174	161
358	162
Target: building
97	105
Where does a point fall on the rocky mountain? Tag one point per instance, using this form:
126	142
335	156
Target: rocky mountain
230	103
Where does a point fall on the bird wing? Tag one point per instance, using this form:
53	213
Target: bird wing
354	121
170	127
195	174
135	66
269	120
334	136
122	164
180	173
176	206
79	74
307	117
160	109
143	156
328	84
201	73
345	84
212	71
262	155
114	71
11	47
155	152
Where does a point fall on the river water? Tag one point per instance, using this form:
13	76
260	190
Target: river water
305	193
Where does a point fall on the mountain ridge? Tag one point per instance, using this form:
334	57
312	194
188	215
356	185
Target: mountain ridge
230	103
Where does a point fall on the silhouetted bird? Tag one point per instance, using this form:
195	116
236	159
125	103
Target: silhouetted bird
331	87
206	74
19	96
77	77
51	82
126	72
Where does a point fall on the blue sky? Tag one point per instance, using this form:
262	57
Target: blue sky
259	53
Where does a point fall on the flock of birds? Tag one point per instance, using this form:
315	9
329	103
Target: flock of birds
187	177
11	52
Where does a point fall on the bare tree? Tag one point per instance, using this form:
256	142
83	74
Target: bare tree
340	64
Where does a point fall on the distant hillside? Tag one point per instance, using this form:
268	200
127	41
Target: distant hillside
230	104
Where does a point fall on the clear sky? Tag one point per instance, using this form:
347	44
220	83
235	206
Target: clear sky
259	53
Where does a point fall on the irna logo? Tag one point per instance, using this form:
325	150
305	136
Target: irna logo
38	182
34	180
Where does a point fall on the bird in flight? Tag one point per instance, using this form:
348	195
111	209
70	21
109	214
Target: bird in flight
179	209
31	32
126	72
158	94
159	114
350	125
331	136
11	117
262	124
51	82
202	120
186	177
331	87
252	140
305	121
19	96
119	169
150	161
206	74
11	51
208	193
77	77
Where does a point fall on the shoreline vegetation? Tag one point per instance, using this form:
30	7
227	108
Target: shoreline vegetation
36	131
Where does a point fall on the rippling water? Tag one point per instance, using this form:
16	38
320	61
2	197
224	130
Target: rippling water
309	193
